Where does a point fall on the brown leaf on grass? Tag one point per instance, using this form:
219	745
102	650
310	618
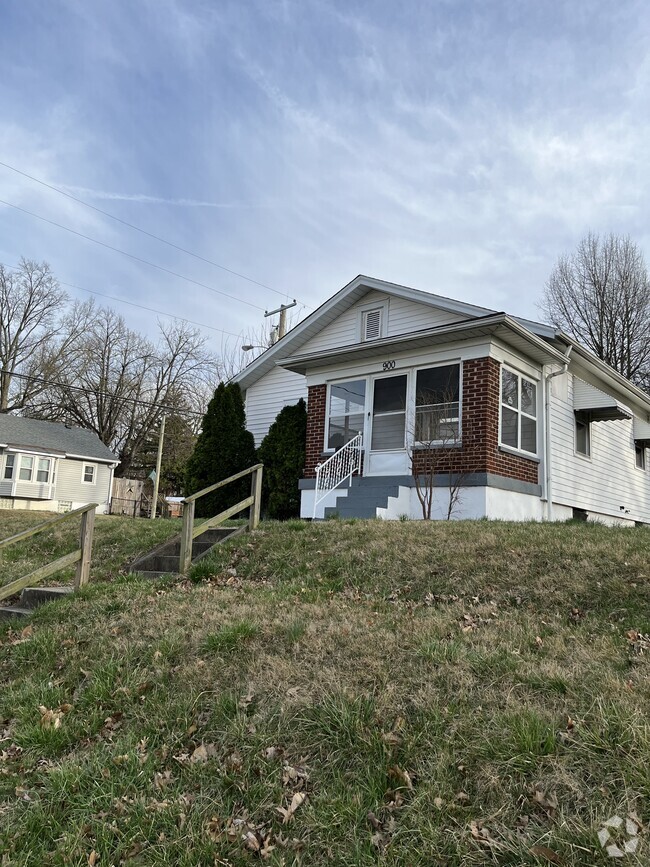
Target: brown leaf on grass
482	834
462	798
544	852
50	718
548	803
288	813
403	777
93	859
202	753
295	776
161	780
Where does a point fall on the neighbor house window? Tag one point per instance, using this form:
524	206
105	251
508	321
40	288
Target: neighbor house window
26	468
346	412
583	435
437	391
89	474
9	466
639	457
518	412
43	471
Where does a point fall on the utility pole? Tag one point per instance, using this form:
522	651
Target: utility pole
282	310
156	481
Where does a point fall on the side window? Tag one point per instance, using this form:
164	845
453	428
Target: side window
639	457
10	462
89	474
518	412
583	434
26	468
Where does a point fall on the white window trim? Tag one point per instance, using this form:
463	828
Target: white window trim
582	455
330	383
4	467
416	444
644	452
367	436
83	473
367	308
520	412
36	457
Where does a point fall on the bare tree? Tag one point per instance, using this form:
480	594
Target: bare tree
600	294
118	383
436	448
33	338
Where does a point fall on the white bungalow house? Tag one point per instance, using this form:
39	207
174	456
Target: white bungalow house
52	467
541	428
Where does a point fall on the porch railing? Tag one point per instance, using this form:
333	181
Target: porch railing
342	465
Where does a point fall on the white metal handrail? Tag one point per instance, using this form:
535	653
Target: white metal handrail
336	469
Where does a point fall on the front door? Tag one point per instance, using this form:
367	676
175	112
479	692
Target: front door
386	453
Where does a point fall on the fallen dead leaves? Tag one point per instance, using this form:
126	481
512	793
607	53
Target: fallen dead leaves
51	718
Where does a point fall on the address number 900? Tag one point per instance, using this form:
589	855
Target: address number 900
389	365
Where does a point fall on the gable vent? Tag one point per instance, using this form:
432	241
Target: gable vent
372	324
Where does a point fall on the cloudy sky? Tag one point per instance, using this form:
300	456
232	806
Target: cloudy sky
452	146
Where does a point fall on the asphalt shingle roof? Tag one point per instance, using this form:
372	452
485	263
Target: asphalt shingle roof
51	436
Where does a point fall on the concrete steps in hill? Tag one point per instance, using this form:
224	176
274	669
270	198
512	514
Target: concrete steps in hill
365	495
31	598
165	559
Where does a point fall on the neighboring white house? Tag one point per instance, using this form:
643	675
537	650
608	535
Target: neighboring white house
543	429
53	467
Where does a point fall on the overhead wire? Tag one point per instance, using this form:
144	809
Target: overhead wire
145	231
130	255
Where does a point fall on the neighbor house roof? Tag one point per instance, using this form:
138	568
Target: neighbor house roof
349	295
58	439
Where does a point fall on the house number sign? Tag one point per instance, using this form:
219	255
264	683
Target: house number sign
389	365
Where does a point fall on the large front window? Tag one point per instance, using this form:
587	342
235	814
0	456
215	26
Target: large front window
346	412
518	412
437	392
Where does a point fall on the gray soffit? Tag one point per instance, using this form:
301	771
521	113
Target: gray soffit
498	325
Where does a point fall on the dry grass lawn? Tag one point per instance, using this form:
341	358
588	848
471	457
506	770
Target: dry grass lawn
343	693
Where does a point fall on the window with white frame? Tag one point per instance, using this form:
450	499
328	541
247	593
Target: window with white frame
583	434
639	457
43	470
26	470
10	463
437	396
518	412
346	412
88	474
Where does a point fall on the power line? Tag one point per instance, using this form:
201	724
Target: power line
97	393
150	309
130	255
144	231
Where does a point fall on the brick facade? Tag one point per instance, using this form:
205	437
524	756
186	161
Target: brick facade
316	409
479	452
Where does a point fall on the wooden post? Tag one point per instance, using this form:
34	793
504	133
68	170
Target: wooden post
186	538
86	545
256	491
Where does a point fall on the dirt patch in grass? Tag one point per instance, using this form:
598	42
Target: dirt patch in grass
344	694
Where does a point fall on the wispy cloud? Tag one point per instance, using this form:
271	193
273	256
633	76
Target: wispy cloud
142	198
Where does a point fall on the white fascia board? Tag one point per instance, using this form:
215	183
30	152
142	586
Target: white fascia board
32	450
108	461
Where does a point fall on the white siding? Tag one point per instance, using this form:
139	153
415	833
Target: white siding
265	399
403	317
609	478
69	486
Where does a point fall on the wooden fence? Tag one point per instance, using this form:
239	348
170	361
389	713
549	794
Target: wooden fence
81	556
190	531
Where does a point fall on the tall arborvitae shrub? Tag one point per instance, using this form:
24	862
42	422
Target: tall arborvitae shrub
224	447
283	454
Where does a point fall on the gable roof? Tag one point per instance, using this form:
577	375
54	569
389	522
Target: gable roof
52	437
343	300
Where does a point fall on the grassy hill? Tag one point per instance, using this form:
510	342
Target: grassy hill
345	693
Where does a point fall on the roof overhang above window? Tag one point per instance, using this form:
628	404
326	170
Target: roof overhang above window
600	405
642	432
499	325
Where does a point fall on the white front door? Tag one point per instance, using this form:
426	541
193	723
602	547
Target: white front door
386	453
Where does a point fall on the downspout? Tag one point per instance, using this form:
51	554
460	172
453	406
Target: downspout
548	486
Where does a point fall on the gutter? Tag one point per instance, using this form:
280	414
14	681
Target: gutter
548	473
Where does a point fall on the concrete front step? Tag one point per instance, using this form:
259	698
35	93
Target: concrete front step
165	560
363	499
7	612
